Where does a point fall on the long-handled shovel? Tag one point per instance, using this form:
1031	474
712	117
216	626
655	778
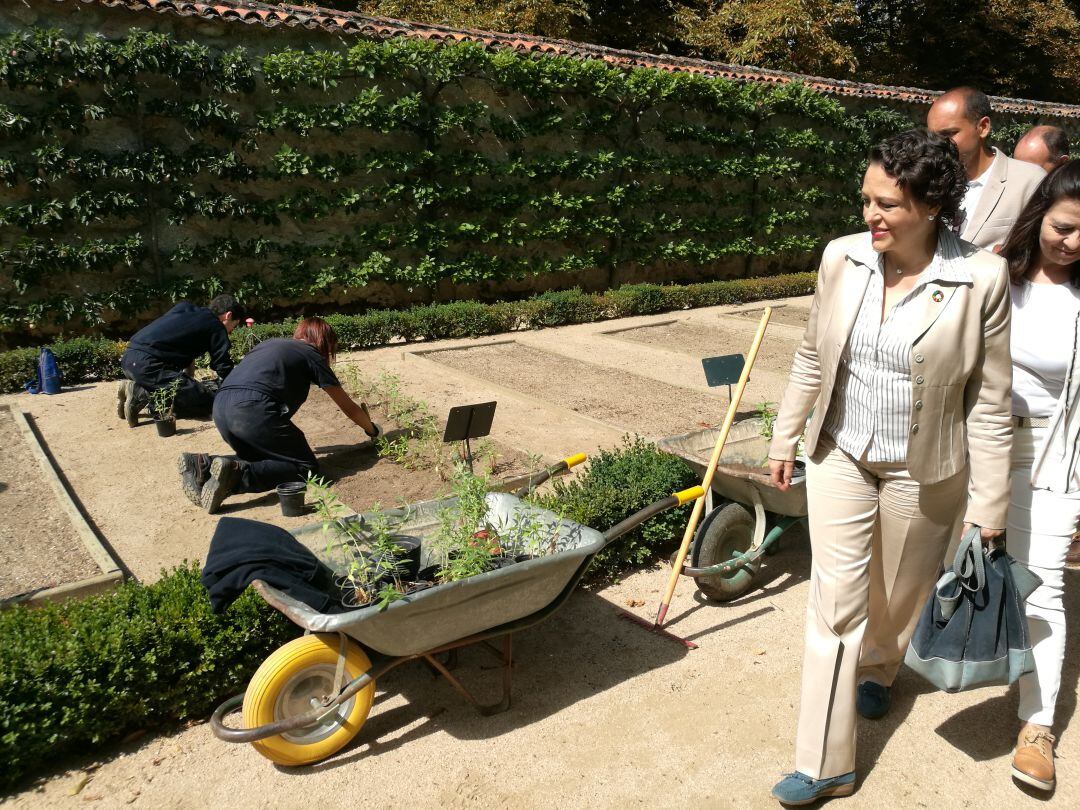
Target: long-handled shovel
706	482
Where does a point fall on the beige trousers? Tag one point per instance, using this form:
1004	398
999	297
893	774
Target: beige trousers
878	539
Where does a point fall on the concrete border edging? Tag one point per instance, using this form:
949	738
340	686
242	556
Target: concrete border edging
112	571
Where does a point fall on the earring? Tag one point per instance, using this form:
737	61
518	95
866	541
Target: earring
932	217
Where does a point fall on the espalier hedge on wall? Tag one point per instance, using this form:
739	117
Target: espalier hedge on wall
138	171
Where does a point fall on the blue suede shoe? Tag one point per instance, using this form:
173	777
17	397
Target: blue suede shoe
797	788
873	700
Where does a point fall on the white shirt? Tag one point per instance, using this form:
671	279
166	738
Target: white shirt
1043	331
972	196
870	412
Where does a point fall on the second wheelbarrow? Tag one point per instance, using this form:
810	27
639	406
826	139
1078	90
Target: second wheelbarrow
745	512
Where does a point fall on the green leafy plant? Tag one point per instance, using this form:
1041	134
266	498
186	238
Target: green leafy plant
465	542
163	399
615	484
85	672
370	559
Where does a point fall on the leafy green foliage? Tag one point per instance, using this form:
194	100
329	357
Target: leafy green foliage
464	542
616	484
306	175
86	671
87	360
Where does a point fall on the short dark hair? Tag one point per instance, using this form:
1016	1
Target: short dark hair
1056	140
976	103
1022	245
927	166
220	304
318	333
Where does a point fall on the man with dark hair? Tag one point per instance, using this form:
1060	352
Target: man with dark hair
998	186
1044	146
166	350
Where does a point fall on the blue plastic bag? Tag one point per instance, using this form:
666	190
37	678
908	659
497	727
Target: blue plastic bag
48	374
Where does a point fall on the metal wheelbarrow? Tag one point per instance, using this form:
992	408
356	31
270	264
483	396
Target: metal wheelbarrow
745	513
311	696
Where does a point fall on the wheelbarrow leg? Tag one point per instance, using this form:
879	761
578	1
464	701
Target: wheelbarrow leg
486	709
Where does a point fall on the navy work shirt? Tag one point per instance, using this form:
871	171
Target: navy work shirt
184	333
282	369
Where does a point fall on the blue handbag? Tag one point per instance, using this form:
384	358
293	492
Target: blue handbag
973	631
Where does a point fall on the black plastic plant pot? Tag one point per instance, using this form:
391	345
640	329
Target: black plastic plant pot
407	558
165	427
291	496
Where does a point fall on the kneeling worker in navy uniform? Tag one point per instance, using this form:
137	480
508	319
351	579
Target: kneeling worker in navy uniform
166	350
253	412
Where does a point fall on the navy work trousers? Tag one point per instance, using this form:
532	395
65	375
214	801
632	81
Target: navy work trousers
193	399
273	449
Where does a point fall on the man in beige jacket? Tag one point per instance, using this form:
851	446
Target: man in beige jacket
998	186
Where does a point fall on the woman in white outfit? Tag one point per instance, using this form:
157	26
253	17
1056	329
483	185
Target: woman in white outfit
1043	252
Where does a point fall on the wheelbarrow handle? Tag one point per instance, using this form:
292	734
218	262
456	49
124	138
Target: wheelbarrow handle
653	509
540	477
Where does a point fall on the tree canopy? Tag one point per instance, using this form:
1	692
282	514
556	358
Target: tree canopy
1026	48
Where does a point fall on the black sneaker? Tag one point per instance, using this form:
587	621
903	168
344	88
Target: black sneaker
194	471
224	476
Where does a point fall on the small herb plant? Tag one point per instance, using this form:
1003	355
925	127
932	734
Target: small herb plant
163	399
371	558
465	541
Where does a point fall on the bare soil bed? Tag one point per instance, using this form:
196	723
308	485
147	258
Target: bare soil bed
629	401
702	339
39	548
789	315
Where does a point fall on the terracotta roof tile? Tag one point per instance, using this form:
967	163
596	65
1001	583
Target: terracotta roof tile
313	17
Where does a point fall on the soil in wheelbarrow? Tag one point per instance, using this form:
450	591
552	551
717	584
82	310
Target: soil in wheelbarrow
39	548
629	401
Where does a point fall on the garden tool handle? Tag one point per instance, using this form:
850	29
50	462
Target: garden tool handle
540	477
653	509
710	471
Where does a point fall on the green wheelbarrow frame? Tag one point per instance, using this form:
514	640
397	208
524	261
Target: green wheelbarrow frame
726	552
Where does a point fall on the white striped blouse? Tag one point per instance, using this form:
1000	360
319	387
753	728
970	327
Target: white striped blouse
869	416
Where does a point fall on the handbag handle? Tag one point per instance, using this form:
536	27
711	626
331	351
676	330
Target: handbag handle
968	571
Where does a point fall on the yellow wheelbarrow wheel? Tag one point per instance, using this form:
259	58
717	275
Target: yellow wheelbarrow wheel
294	680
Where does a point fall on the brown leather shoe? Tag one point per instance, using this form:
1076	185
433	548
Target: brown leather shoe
1072	556
1033	759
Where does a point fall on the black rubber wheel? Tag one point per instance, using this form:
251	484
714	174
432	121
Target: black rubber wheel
720	538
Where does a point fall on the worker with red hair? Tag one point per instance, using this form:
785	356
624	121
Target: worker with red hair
253	412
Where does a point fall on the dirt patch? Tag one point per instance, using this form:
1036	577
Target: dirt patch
627	400
792	316
362	479
39	548
700	339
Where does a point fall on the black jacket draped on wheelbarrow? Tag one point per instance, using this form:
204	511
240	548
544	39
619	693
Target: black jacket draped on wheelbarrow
242	551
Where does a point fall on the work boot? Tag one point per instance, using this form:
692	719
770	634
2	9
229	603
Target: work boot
224	476
1072	556
194	472
121	398
135	400
1033	759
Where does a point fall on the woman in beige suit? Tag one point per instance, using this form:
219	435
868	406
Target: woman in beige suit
905	365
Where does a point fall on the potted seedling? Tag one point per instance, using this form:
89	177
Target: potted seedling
376	566
161	403
465	542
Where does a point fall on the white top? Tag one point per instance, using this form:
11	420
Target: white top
973	194
1043	330
870	415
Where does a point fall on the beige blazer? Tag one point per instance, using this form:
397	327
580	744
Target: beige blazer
1009	187
961	371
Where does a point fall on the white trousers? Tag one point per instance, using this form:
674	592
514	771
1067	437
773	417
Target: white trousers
1040	527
